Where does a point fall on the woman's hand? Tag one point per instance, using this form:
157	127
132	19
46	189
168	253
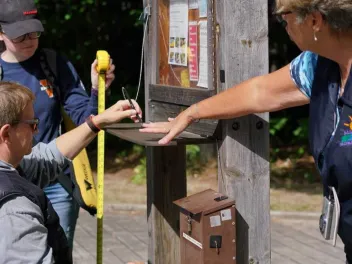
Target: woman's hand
109	76
172	128
122	109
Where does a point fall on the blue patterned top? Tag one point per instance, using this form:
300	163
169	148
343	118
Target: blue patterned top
302	70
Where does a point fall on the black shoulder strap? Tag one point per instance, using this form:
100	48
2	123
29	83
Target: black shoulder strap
48	63
1	73
2	49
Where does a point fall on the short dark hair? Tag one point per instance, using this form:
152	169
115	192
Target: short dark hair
14	98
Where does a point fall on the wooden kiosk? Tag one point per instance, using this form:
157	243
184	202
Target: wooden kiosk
226	42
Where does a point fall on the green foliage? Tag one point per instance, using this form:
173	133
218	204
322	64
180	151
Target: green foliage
193	164
140	172
301	132
309	177
299	127
138	150
277	124
192	153
286	132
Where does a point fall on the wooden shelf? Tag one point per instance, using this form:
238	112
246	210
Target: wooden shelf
130	132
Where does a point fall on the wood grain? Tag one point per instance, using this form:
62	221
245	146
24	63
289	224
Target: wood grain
244	166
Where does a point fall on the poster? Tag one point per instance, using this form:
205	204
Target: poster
203	54
193	50
193	4
203	8
178	38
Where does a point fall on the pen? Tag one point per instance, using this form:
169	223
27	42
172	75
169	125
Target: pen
124	91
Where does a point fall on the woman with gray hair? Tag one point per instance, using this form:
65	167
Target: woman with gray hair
320	76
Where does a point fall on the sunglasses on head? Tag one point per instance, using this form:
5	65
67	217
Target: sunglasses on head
279	18
31	35
34	123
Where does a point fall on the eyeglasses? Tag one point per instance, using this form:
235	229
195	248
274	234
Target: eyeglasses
279	18
31	35
34	123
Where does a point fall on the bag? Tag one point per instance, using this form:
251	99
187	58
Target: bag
81	184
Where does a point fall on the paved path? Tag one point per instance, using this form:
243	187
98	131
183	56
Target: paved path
294	240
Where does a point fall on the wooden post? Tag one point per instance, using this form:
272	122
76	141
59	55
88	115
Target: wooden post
244	152
166	183
166	169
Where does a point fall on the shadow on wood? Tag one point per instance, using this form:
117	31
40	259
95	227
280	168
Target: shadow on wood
249	127
242	239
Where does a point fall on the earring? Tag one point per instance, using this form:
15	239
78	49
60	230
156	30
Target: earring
315	36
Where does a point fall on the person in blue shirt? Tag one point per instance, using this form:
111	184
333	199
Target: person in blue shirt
321	77
20	62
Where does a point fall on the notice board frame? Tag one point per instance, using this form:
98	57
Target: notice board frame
178	97
169	75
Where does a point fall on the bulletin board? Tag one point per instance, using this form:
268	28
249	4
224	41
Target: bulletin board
186	28
186	44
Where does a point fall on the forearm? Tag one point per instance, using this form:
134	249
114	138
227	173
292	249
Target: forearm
237	101
266	93
72	142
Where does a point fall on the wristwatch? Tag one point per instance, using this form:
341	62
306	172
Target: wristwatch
91	124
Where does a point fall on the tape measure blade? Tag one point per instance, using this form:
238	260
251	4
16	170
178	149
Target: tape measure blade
100	171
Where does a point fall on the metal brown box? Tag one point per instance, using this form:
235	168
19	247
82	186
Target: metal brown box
207	228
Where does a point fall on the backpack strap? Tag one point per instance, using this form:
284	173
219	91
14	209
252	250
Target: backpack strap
2	49
48	63
1	73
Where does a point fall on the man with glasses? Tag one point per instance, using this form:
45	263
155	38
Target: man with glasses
29	227
32	122
21	61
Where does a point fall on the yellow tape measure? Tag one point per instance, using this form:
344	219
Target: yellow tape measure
103	65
